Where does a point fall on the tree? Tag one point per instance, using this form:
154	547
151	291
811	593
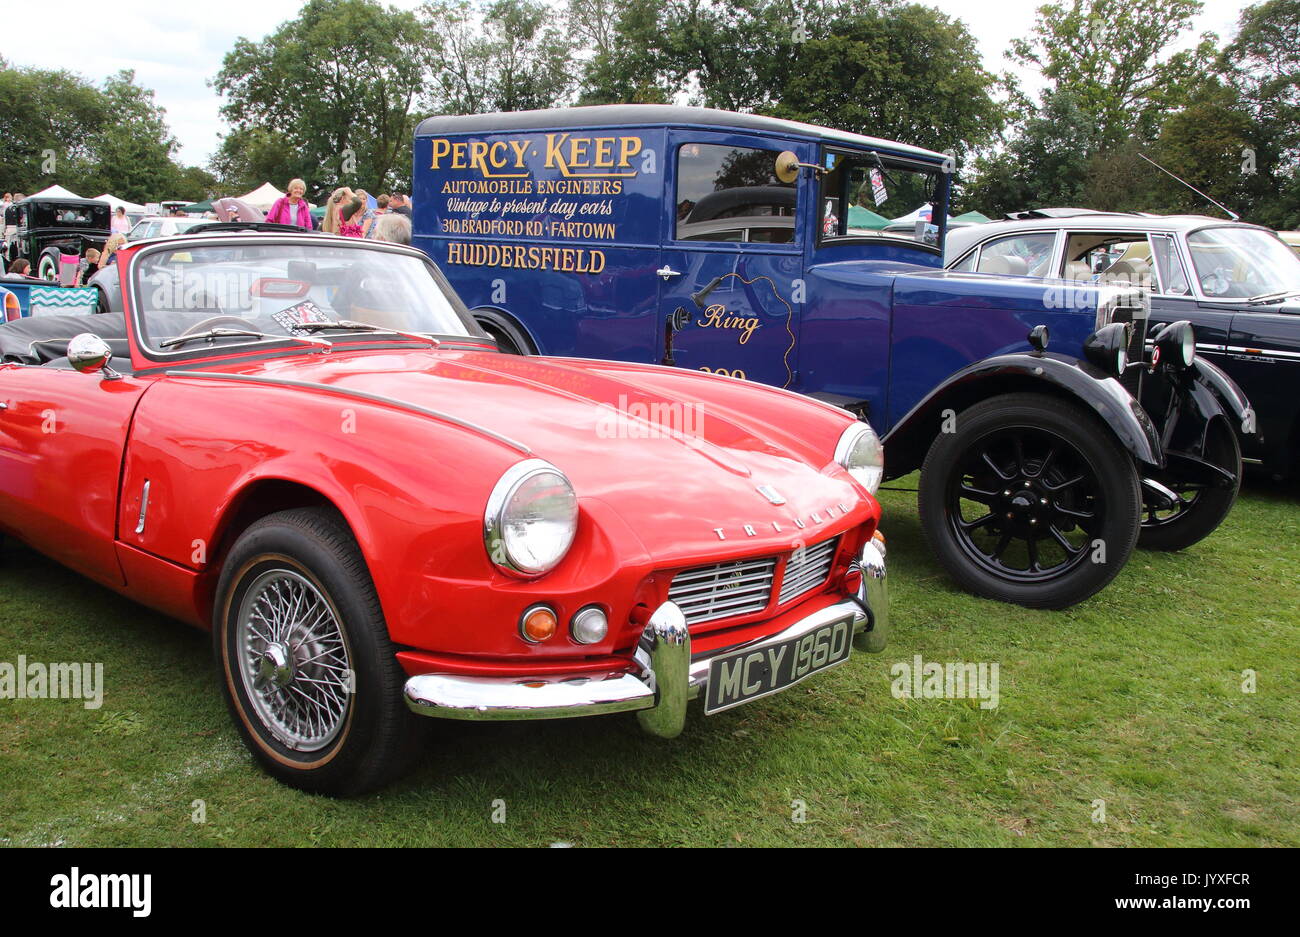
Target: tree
732	54
1046	163
48	120
133	148
507	55
335	87
1109	55
904	72
625	62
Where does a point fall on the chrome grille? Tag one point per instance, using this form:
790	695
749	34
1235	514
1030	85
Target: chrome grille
807	569
723	590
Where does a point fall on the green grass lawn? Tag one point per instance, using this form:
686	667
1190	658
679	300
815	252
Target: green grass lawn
1134	699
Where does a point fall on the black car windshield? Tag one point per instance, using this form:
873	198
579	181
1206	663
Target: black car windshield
873	196
279	290
1242	263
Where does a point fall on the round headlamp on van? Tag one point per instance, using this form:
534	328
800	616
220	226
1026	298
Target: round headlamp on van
862	455
531	519
1107	348
1176	343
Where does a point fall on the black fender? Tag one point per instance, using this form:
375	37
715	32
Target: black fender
909	439
1202	396
491	317
1231	397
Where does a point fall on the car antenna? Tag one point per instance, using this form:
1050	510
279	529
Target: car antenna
1231	214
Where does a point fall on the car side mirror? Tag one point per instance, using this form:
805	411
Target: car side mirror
88	353
787	167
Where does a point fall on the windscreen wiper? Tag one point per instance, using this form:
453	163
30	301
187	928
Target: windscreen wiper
1263	298
352	325
239	333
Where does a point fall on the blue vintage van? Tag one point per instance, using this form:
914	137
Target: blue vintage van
811	259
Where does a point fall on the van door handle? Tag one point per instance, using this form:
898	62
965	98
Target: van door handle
667	272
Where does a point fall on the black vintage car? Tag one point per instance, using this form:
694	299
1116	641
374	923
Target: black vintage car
48	227
1238	284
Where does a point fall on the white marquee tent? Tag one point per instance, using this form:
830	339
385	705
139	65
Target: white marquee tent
131	207
55	191
263	197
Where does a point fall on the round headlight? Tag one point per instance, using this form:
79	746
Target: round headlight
531	519
1107	348
1177	344
862	455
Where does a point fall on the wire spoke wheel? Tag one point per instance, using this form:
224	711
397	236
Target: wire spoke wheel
293	660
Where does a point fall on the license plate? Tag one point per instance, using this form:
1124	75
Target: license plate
742	676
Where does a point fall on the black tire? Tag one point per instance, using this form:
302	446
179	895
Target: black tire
1059	495
508	338
53	258
375	737
1201	508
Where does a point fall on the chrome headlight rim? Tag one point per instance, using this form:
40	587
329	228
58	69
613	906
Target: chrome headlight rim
495	540
874	472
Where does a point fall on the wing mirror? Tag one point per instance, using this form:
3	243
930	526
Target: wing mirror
88	353
788	166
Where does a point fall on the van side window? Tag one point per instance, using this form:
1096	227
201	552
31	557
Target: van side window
731	193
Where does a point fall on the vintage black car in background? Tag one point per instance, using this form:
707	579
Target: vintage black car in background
48	227
1238	284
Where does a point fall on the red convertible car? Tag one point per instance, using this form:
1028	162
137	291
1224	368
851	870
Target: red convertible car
307	445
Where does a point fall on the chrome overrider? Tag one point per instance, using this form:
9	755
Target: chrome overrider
667	679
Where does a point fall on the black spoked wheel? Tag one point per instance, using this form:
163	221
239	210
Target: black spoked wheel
1031	501
1200	505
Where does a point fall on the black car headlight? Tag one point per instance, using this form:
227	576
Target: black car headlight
1176	345
1107	348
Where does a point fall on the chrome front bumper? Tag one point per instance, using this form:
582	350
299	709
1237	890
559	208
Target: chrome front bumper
668	678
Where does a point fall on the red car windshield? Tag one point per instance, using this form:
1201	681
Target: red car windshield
280	289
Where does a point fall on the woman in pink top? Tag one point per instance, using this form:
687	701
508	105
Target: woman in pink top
350	219
292	209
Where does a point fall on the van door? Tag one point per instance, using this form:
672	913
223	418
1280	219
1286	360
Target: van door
732	262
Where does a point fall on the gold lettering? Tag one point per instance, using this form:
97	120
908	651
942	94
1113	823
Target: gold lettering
441	148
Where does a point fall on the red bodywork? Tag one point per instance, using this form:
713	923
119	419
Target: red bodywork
76	450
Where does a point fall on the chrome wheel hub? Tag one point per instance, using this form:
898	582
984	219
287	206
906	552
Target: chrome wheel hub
293	660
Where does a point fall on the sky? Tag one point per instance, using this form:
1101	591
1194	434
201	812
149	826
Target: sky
176	49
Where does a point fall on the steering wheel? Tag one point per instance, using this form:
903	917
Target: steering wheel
1216	283
213	321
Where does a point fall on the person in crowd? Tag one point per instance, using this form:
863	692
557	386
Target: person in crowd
293	208
381	209
20	267
88	267
106	255
350	216
11	217
338	198
400	203
367	218
120	223
393	227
